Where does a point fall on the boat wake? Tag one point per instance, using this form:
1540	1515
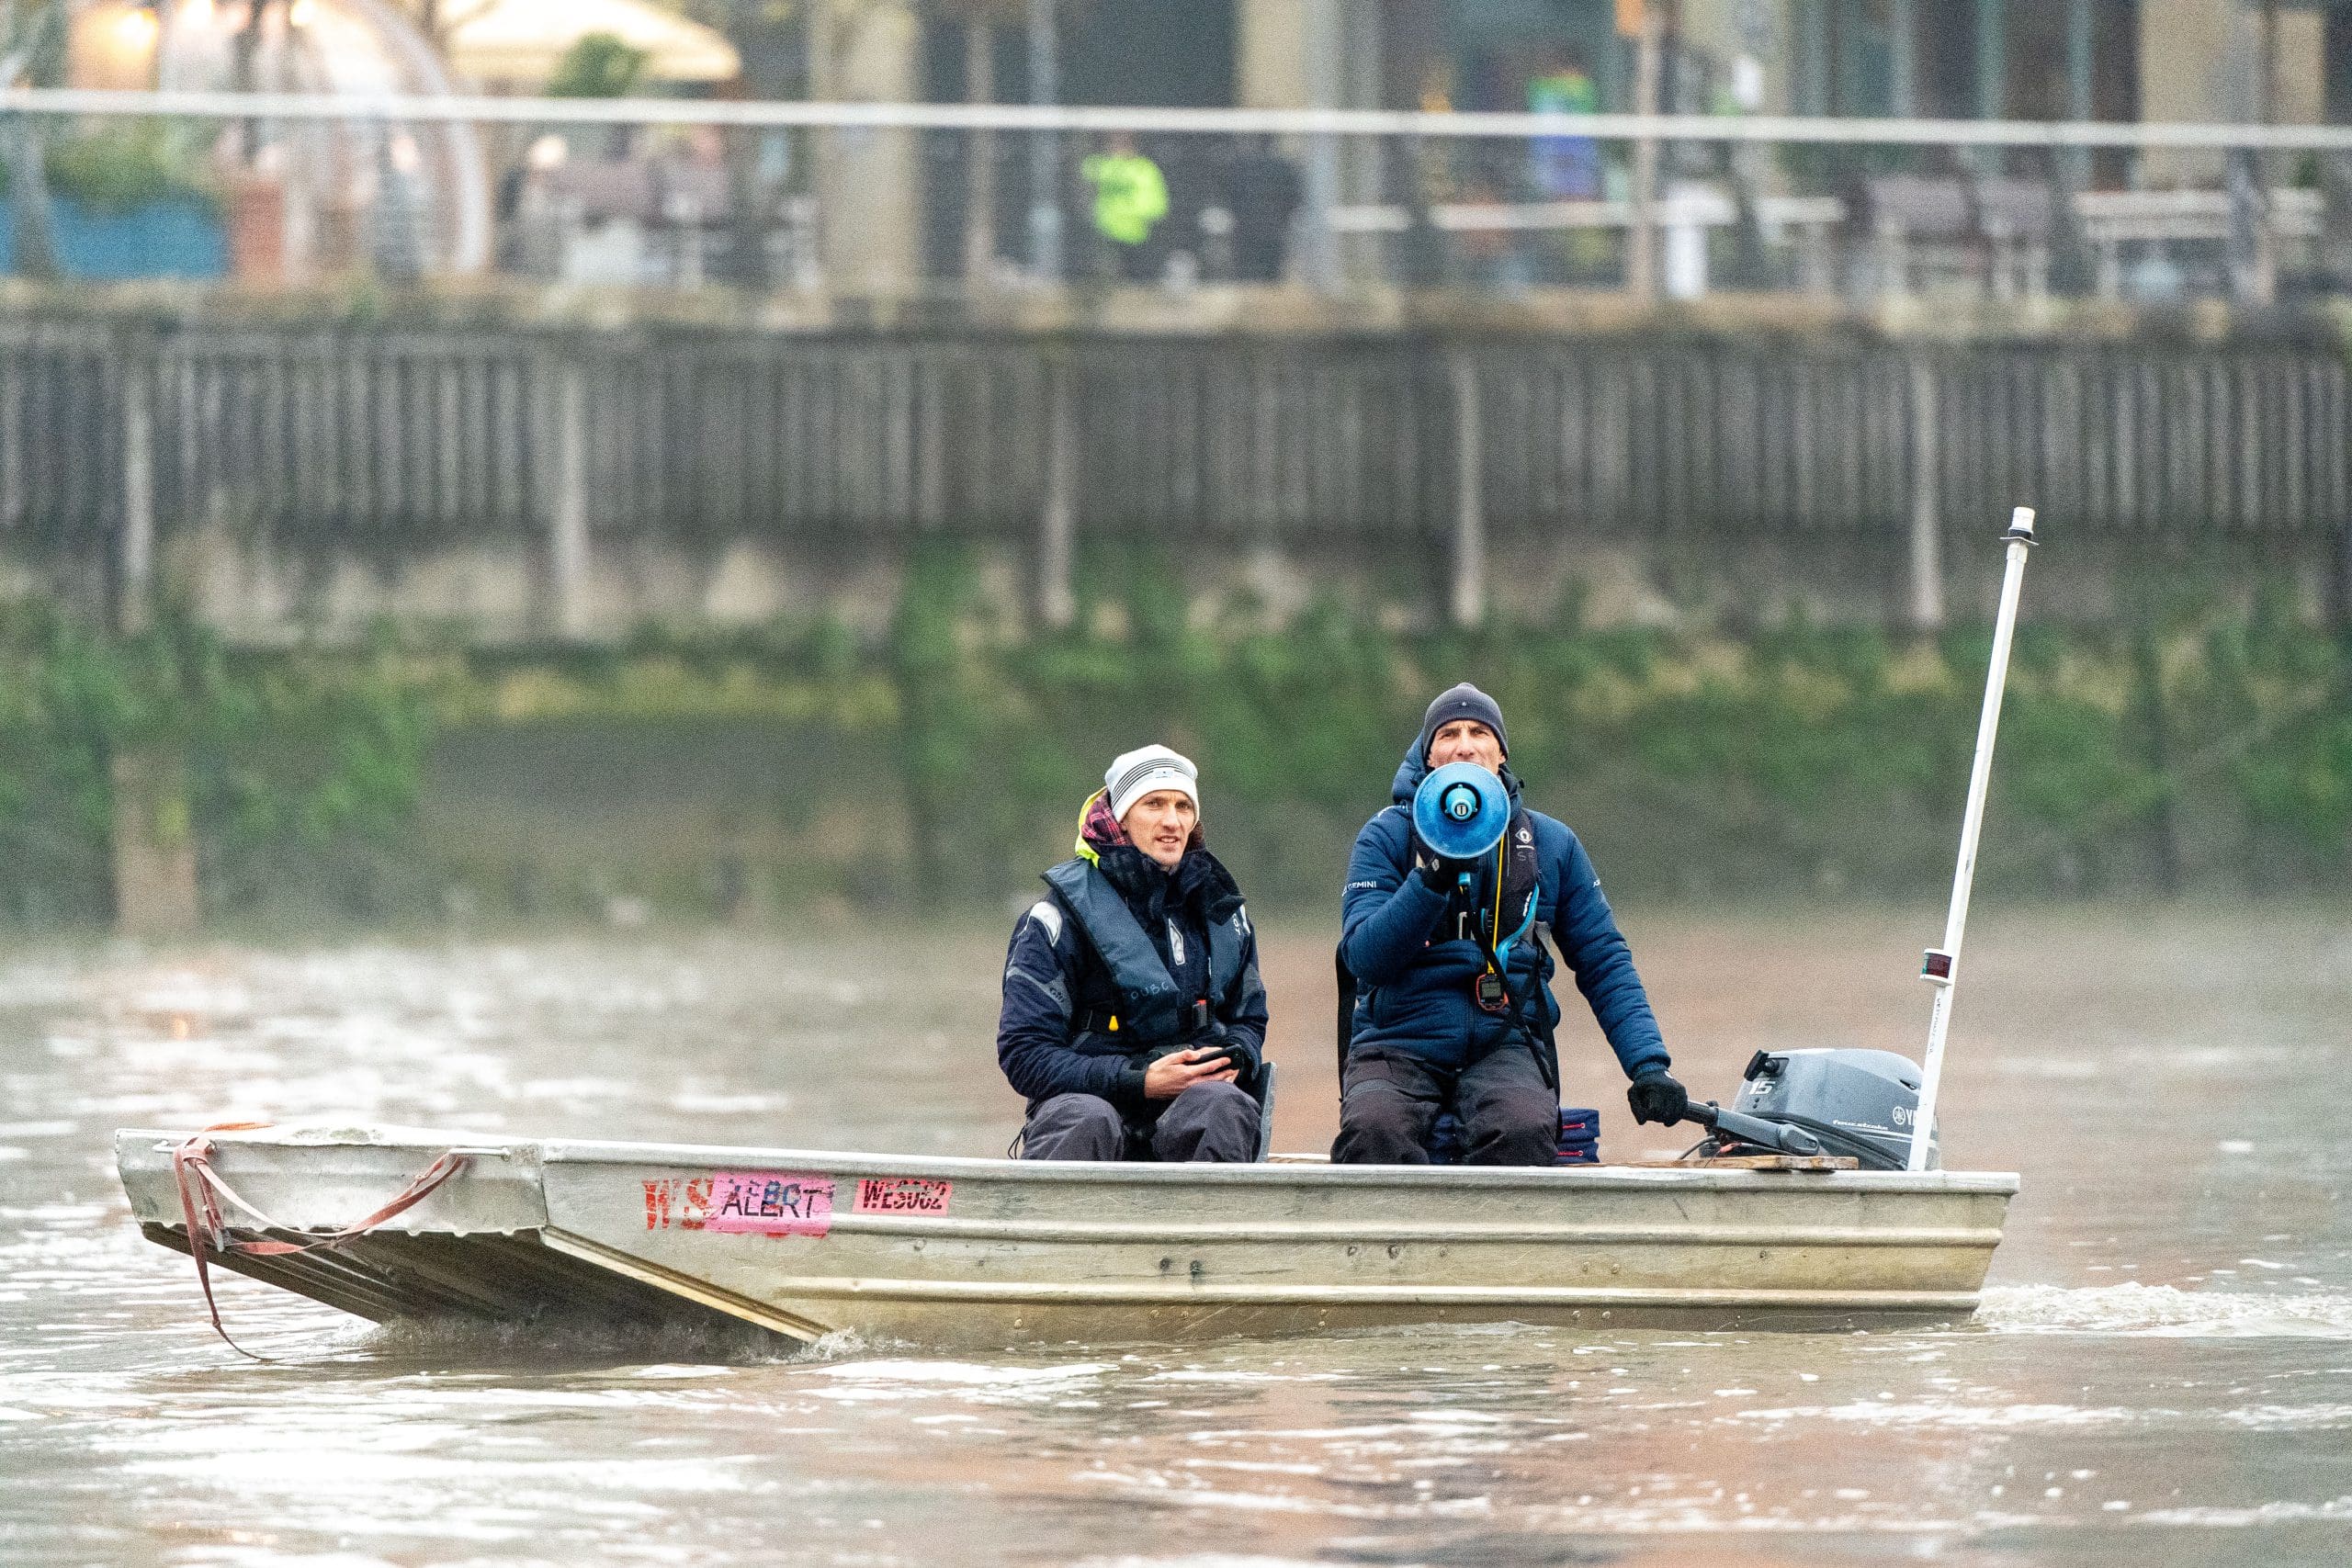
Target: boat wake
2282	1513
989	1384
2165	1312
546	1342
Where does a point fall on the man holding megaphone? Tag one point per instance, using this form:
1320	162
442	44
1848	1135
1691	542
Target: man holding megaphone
1453	896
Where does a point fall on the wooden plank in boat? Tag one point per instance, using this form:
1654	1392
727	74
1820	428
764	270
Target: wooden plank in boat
1721	1162
1749	1162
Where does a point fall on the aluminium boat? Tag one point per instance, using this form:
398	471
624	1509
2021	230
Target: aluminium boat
998	1252
399	1223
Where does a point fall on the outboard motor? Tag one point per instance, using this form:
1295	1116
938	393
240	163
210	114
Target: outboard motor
1858	1104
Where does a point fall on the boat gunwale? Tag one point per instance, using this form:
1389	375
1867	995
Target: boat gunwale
1079	1233
579	1152
575	1151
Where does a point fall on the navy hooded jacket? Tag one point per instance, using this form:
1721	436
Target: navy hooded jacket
1416	976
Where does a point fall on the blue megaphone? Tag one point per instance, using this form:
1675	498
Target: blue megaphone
1461	811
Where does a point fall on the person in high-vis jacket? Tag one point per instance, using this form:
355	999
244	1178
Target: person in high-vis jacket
1453	1006
1134	1022
1130	198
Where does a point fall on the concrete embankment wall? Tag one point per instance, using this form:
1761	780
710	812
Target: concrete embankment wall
536	468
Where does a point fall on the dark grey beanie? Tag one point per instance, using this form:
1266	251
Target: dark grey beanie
1464	701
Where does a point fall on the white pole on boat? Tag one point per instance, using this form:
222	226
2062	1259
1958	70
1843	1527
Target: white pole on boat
1943	963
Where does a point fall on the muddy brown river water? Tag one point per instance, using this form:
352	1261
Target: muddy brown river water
2162	1373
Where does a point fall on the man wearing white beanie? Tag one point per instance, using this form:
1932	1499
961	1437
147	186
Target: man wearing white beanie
1133	1020
1134	774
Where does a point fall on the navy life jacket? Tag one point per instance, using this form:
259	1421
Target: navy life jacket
1153	1015
1496	926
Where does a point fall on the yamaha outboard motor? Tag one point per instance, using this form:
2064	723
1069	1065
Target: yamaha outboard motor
1858	1104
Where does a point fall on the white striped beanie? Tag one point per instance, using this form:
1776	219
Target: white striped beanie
1146	768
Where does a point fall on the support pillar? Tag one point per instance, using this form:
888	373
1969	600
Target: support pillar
1927	508
2185	71
2253	264
152	836
2080	105
1814	94
870	182
1641	237
1321	246
1992	72
1057	515
1902	90
566	613
1469	496
1992	58
134	588
1045	147
2253	252
2073	269
1274	45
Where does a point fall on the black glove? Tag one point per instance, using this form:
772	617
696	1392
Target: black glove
1244	1058
1656	1097
1239	1053
1436	871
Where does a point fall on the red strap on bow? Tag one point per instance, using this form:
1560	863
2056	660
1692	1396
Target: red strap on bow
200	1189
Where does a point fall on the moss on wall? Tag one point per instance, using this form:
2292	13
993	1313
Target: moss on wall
2189	745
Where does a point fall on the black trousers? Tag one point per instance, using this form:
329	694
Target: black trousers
1390	1099
1207	1122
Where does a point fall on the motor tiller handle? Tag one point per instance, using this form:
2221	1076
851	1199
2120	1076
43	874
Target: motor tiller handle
1753	1129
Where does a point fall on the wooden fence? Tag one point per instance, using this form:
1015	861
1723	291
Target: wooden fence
113	437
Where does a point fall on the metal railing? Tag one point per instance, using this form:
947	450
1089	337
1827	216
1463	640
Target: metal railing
849	200
390	442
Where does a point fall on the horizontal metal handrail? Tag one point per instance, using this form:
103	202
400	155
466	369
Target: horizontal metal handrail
2133	214
783	113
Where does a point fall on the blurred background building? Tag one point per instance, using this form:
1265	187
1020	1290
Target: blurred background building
926	380
792	273
878	211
